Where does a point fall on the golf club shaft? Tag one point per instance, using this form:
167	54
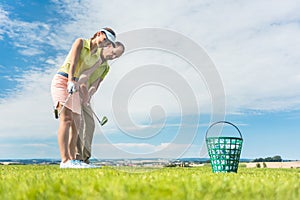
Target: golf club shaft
96	116
100	122
64	105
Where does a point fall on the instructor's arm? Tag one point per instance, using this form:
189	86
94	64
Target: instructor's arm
94	87
86	94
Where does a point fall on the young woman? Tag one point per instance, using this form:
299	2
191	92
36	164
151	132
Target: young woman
85	54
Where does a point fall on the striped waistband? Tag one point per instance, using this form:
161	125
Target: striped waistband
66	75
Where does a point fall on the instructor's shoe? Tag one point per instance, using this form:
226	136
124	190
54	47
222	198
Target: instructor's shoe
94	166
87	161
72	164
85	165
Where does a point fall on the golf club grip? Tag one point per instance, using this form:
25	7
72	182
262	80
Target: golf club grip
56	113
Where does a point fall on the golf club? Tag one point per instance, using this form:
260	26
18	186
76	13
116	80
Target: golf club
56	113
101	122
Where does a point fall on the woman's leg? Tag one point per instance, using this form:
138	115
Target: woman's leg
74	135
65	121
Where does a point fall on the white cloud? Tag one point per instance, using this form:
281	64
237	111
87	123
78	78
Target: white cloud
3	19
30	51
27	112
255	45
28	38
28	151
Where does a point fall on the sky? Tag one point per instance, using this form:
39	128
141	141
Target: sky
186	65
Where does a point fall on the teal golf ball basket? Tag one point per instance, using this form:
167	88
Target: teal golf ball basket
224	152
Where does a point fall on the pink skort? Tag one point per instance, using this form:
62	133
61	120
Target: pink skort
59	94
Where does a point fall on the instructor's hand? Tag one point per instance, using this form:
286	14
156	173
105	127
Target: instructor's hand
71	87
83	94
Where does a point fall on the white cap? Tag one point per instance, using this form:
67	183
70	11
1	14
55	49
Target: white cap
109	36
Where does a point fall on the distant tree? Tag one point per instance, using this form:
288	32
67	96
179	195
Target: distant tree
264	165
170	165
277	159
269	159
258	160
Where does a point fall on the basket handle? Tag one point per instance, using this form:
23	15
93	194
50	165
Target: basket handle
225	122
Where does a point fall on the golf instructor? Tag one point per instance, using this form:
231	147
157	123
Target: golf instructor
87	126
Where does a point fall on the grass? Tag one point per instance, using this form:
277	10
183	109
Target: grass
50	182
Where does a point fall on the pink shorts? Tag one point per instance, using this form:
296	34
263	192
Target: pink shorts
59	94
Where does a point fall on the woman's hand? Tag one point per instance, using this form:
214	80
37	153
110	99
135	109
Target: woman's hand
71	88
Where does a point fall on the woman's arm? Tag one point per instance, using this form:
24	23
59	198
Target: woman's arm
74	57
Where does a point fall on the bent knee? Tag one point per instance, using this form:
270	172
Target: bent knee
66	118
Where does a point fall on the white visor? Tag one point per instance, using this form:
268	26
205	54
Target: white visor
109	36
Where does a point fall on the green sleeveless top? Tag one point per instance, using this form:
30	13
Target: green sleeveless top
85	61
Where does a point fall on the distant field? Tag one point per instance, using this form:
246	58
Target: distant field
295	164
50	182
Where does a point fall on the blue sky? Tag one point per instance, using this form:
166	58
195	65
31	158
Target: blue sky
253	46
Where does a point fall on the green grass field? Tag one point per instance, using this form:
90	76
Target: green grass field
50	182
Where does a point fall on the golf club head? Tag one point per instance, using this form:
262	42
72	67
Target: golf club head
104	120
